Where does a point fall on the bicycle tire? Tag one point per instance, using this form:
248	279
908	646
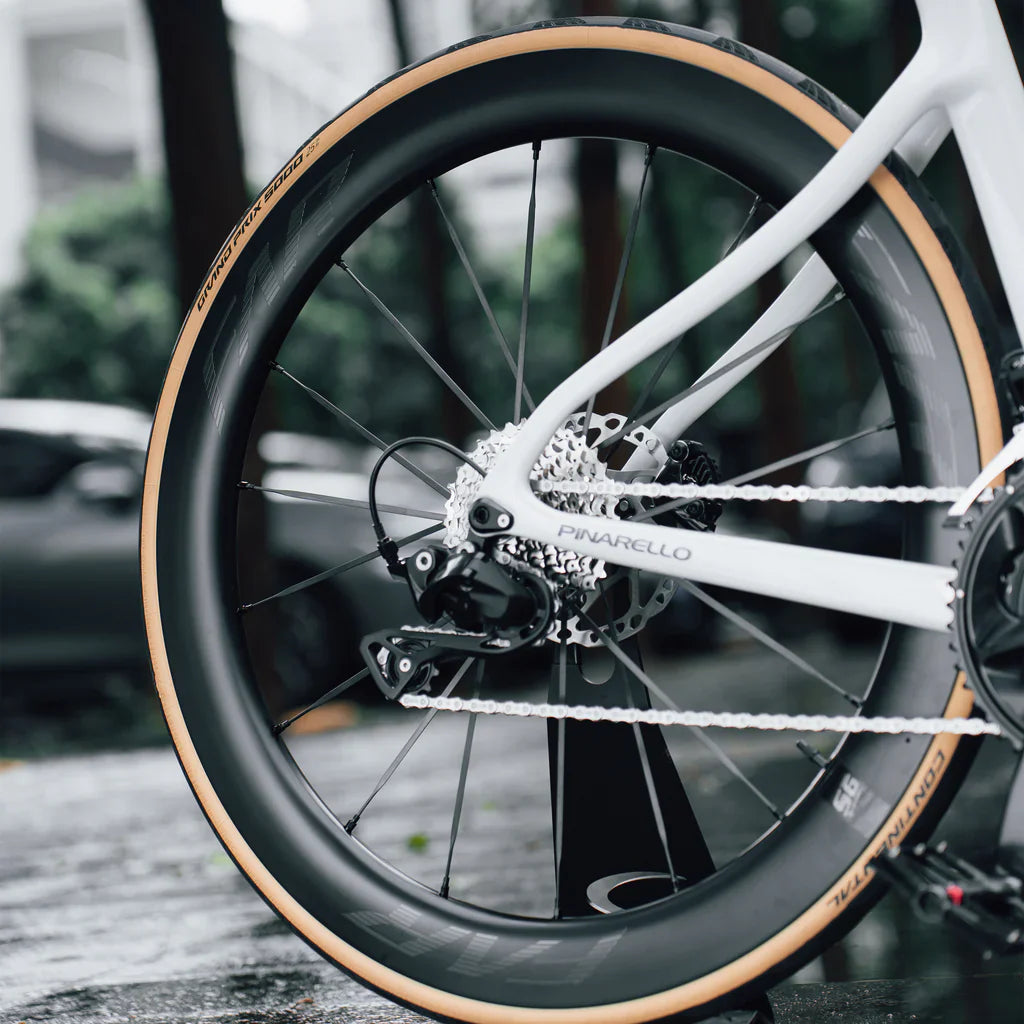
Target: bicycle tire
766	913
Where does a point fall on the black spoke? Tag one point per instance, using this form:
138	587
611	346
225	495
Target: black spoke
645	393
773	645
524	318
362	431
627	251
754	210
672	349
327	574
810	453
409	744
460	792
320	701
1000	641
635	420
434	365
652	796
726	761
328	499
559	787
460	249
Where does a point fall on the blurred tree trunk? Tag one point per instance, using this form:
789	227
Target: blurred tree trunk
776	379
456	421
596	172
596	169
206	179
665	231
201	139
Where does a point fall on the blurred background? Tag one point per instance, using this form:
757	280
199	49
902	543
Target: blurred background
136	132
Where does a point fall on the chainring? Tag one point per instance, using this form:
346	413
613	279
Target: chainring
989	611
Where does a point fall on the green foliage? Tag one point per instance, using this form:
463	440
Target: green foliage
418	842
94	316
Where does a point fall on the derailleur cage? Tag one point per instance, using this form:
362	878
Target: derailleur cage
475	607
989	610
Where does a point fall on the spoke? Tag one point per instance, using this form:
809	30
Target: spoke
460	793
499	335
710	378
327	499
434	365
726	761
320	701
559	823
672	349
531	223
773	645
409	744
754	210
652	381
338	569
367	435
627	251
1001	640
810	453
652	796
641	749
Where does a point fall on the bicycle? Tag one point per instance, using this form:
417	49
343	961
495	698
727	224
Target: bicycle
548	540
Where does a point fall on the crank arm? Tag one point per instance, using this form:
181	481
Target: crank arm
984	905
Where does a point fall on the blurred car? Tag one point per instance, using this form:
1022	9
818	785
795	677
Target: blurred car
70	476
70	490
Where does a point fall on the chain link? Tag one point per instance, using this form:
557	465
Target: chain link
708	719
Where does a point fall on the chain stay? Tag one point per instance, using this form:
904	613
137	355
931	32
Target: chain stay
708	719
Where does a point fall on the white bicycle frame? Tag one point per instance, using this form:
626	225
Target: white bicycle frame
963	78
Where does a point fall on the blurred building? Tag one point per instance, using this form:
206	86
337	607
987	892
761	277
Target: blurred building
79	103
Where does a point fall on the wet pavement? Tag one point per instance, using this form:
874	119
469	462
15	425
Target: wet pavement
117	903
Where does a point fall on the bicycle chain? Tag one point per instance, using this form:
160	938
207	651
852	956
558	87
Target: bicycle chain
760	492
727	719
708	719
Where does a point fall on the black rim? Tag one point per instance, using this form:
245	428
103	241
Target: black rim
234	724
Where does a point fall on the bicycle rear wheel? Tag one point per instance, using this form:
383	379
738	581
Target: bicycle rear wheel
803	878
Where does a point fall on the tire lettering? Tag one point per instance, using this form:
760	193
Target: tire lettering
405	931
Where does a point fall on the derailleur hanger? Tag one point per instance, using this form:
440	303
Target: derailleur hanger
488	519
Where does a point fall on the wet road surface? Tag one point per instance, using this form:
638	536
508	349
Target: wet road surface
117	903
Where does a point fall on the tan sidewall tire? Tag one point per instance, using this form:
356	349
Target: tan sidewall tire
939	754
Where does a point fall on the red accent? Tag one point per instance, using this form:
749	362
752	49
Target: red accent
956	894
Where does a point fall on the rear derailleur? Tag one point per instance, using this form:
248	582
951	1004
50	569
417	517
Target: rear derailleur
474	606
